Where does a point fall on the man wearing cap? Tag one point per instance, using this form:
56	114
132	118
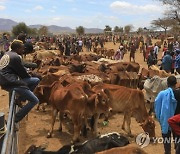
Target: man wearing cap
13	76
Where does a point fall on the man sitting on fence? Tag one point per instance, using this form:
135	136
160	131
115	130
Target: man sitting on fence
13	76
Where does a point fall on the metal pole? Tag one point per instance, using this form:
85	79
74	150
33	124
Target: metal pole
2	129
3	151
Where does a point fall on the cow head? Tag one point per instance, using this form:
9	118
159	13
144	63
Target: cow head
43	93
149	126
35	149
102	102
49	79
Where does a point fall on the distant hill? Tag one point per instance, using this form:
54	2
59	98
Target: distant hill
55	29
7	25
93	30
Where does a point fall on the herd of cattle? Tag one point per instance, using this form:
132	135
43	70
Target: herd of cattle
83	87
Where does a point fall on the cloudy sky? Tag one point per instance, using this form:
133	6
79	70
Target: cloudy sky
87	13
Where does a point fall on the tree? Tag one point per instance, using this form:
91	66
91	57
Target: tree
121	29
140	30
118	29
163	23
43	30
175	30
107	28
174	12
128	28
21	27
80	30
33	31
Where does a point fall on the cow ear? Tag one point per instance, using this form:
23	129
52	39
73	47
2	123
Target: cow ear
41	90
97	100
106	91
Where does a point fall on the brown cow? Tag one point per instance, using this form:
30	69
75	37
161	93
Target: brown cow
125	66
74	101
133	67
151	72
80	68
128	79
71	100
131	102
110	53
124	150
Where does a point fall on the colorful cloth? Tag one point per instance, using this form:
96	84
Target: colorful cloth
165	105
174	122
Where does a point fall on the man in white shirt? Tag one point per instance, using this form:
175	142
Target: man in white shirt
80	44
156	51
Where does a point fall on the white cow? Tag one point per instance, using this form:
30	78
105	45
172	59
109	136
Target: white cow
153	86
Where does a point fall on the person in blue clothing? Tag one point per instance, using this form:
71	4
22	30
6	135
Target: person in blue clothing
167	62
165	106
177	61
13	76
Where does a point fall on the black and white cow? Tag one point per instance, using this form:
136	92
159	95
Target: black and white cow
97	144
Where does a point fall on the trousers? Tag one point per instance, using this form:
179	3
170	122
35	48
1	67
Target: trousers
27	94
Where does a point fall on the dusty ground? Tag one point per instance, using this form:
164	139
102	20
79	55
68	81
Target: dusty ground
35	129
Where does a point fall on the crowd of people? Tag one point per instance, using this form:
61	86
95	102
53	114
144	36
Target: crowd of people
169	61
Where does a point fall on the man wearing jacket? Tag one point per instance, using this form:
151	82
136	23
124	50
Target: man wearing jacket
165	106
13	76
167	62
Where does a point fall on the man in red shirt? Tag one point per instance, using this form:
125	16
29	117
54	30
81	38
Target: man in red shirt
174	122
